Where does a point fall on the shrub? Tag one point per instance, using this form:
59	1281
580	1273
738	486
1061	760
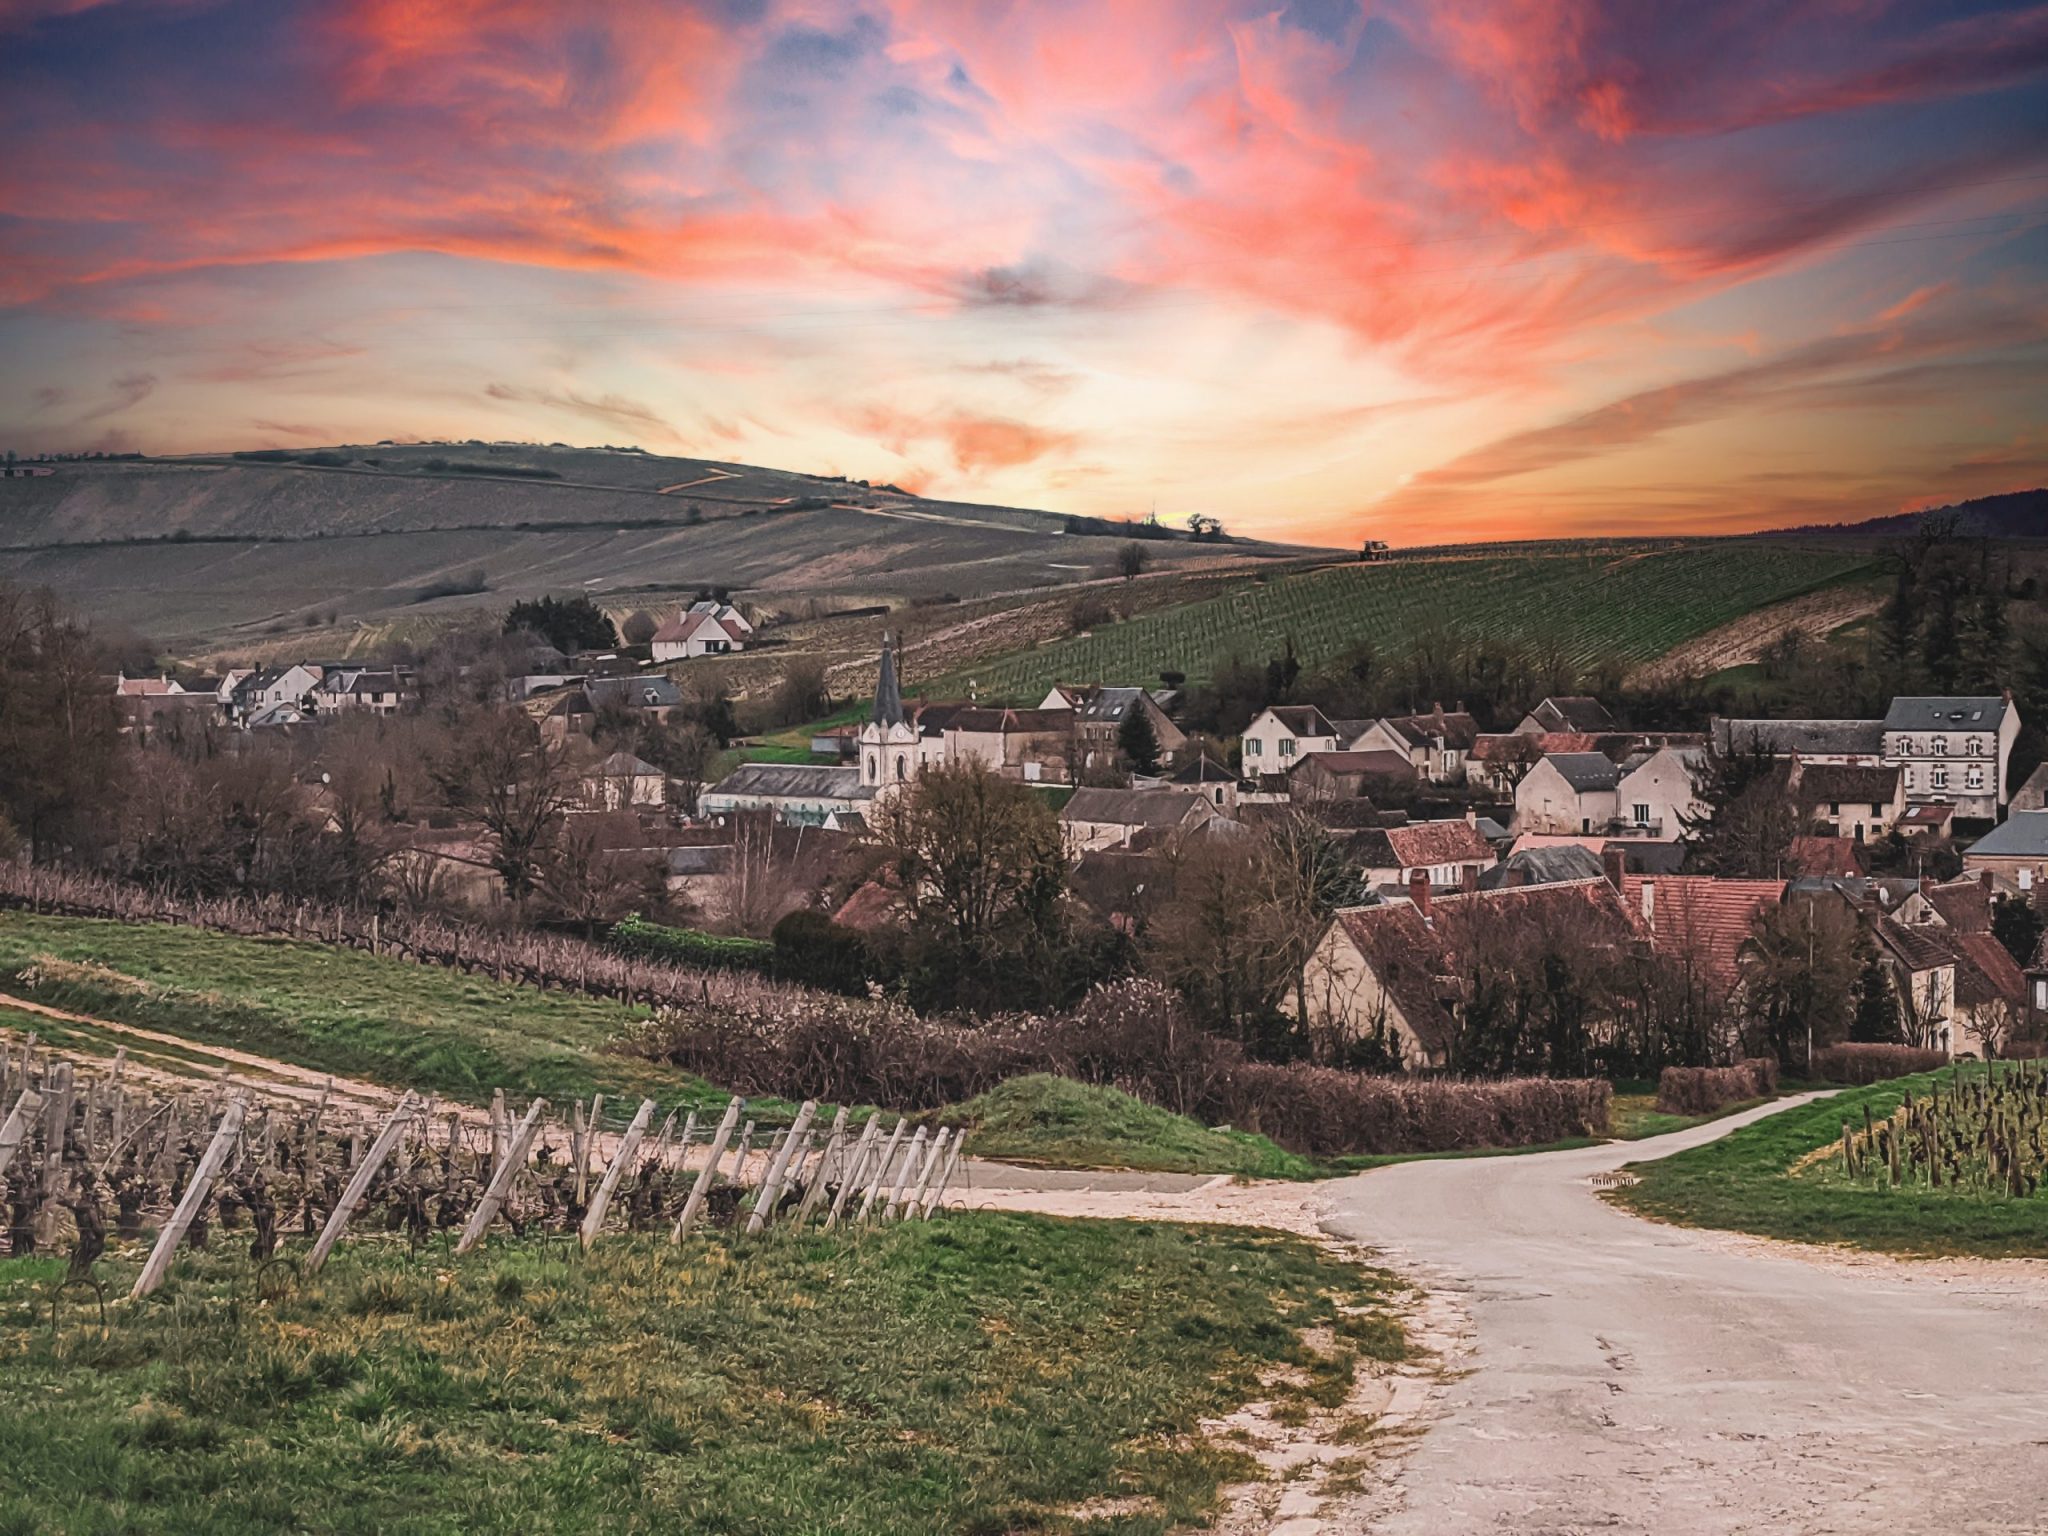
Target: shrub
634	935
1708	1090
1863	1063
812	950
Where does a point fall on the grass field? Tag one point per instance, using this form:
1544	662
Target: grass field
1754	1181
980	1373
1626	603
1042	1119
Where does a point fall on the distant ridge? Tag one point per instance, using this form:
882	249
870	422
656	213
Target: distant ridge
2014	515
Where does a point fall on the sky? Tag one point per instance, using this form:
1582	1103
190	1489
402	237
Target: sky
1330	270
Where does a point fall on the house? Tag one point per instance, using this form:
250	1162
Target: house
1205	776
701	630
145	687
1283	734
1323	776
623	781
1576	712
1639	856
1811	741
262	693
1810	855
383	692
1437	744
1657	795
1859	801
2032	795
1933	819
1393	971
1500	759
1445	853
1034	745
1990	997
1922	963
1116	818
1961	906
1954	749
650	694
1568	792
1703	922
801	794
689	871
1544	865
2015	851
1098	715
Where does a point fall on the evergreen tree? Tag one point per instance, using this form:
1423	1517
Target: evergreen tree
1139	741
568	624
2016	925
1877	1007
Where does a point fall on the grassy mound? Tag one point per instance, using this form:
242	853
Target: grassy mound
1056	1121
1776	1178
979	1373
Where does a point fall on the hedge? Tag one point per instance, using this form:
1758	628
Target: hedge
1864	1063
1708	1090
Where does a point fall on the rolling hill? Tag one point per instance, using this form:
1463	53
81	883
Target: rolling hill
218	550
2014	515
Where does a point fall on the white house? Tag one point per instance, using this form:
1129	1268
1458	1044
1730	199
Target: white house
1858	800
1657	795
1568	792
1111	818
1283	734
1436	744
1954	749
699	631
623	781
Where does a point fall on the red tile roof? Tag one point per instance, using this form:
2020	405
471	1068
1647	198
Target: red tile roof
1824	856
1700	915
1986	972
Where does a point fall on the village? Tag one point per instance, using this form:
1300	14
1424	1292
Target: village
1901	842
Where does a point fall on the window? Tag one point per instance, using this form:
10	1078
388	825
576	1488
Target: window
1974	779
902	769
1941	746
874	768
1255	747
1287	746
1908	779
1938	778
2041	993
1642	814
1834	807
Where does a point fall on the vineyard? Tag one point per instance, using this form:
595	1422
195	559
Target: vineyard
1616	602
1983	1136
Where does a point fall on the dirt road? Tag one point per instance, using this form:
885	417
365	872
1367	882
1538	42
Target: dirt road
1630	1377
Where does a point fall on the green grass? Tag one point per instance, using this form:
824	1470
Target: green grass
1061	1123
337	1010
1631	602
1746	1182
1636	1117
980	1373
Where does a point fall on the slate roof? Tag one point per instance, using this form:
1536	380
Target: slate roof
1454	728
1107	703
1302	719
1203	770
1574	712
624	765
1701	916
2022	835
1848	784
1782	738
1544	866
1131	807
1585	771
700	860
794	781
1950	712
1009	721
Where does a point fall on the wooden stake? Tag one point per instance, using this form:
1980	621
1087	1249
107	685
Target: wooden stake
359	1185
933	1157
850	1174
938	1193
196	1189
867	1200
814	1191
778	1170
19	1119
703	1184
502	1176
629	1145
910	1163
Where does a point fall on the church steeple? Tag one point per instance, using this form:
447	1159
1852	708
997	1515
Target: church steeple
888	696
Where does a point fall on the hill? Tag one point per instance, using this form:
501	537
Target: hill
1620	601
222	549
2015	515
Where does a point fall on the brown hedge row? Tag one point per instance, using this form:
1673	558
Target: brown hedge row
1859	1063
1708	1090
1130	1035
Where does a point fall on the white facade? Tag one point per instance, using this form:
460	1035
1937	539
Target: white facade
1659	797
1281	737
1954	750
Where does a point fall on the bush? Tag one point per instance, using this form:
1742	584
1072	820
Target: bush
1132	1035
812	950
1708	1090
1860	1063
634	935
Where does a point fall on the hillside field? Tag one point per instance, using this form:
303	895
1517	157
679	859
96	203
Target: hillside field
1626	603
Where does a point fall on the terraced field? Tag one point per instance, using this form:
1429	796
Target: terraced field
1630	603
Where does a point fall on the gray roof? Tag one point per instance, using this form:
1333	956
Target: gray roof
1546	866
1781	738
794	781
699	860
621	765
1585	770
1955	713
2022	835
1110	703
1131	807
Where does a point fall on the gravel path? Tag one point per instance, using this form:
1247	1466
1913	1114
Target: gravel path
1619	1375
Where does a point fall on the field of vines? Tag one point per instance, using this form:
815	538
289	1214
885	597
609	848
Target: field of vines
1625	602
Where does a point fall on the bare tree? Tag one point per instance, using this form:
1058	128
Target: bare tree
499	768
759	885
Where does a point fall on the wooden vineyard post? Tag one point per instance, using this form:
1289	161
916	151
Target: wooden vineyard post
850	1175
629	1146
778	1170
911	1160
703	1185
874	1188
938	1190
196	1189
359	1184
501	1129
15	1131
934	1155
502	1176
58	1092
815	1190
584	1138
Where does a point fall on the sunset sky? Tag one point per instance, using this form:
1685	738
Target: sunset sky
1414	269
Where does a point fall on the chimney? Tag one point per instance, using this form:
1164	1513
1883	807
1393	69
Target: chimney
1468	878
1418	890
1472	819
1615	861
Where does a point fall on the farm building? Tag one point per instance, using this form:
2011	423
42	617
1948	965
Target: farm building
1445	853
1113	818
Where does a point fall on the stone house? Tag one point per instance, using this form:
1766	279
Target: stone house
1436	744
1282	735
1954	749
1657	794
2015	851
1859	801
1096	819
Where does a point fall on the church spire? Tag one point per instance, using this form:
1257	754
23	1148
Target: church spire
888	696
